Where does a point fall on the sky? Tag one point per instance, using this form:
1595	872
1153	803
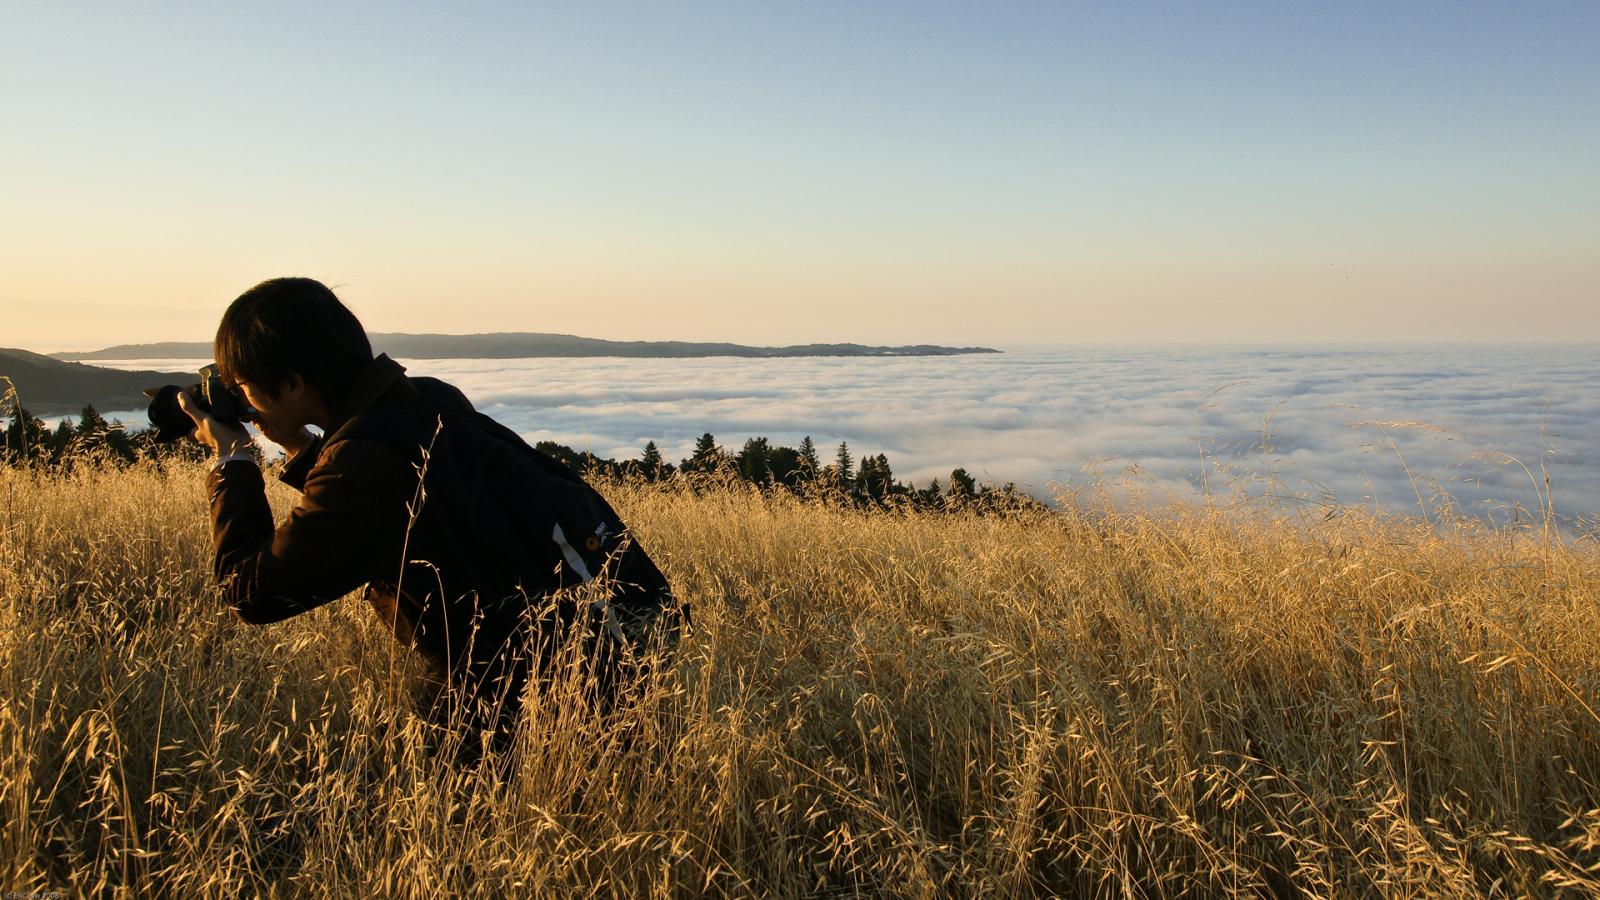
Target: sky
786	173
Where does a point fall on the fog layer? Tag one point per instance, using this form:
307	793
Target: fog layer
1356	426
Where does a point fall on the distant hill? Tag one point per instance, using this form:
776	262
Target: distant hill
50	387
511	345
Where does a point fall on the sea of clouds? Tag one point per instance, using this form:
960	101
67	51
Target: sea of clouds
1355	426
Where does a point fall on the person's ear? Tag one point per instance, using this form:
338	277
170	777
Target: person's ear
294	387
298	391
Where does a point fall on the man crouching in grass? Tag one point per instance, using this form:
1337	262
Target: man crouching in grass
481	553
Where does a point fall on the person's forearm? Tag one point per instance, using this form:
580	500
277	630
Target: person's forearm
346	525
257	589
241	518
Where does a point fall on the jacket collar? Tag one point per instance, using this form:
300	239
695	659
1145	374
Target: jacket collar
373	382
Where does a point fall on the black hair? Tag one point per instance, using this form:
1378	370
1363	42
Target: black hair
287	325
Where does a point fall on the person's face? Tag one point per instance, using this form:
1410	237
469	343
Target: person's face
280	415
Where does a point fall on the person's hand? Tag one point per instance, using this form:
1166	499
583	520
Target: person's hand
224	440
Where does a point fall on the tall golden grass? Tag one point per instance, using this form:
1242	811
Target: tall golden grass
1093	702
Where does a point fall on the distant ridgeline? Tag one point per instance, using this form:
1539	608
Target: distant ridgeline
29	441
50	387
513	345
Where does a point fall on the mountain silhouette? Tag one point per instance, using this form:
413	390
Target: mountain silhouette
50	387
512	345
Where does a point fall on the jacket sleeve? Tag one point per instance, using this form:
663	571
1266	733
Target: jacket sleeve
348	527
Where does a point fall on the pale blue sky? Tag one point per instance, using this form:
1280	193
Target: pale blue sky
776	174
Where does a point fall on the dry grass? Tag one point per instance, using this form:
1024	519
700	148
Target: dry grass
1094	703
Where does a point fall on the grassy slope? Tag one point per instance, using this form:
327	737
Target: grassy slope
924	705
49	387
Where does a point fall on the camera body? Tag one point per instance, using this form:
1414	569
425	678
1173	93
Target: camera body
214	396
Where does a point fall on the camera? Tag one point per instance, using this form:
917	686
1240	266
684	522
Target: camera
214	396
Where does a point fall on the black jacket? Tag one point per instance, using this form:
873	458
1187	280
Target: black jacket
478	565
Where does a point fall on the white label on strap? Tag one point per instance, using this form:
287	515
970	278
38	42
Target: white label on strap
572	557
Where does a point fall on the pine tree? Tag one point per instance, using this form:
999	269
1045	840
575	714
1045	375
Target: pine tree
843	466
963	487
866	471
94	431
875	478
784	465
753	460
707	456
561	452
26	436
650	462
810	465
90	422
62	441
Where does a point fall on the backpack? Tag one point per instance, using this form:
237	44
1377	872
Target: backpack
526	525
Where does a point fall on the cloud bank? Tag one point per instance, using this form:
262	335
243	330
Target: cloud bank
1361	425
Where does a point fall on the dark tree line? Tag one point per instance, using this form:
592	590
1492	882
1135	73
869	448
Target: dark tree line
29	440
867	481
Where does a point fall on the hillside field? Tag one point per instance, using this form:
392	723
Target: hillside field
1098	701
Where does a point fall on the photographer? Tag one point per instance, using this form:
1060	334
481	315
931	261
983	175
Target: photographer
474	548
